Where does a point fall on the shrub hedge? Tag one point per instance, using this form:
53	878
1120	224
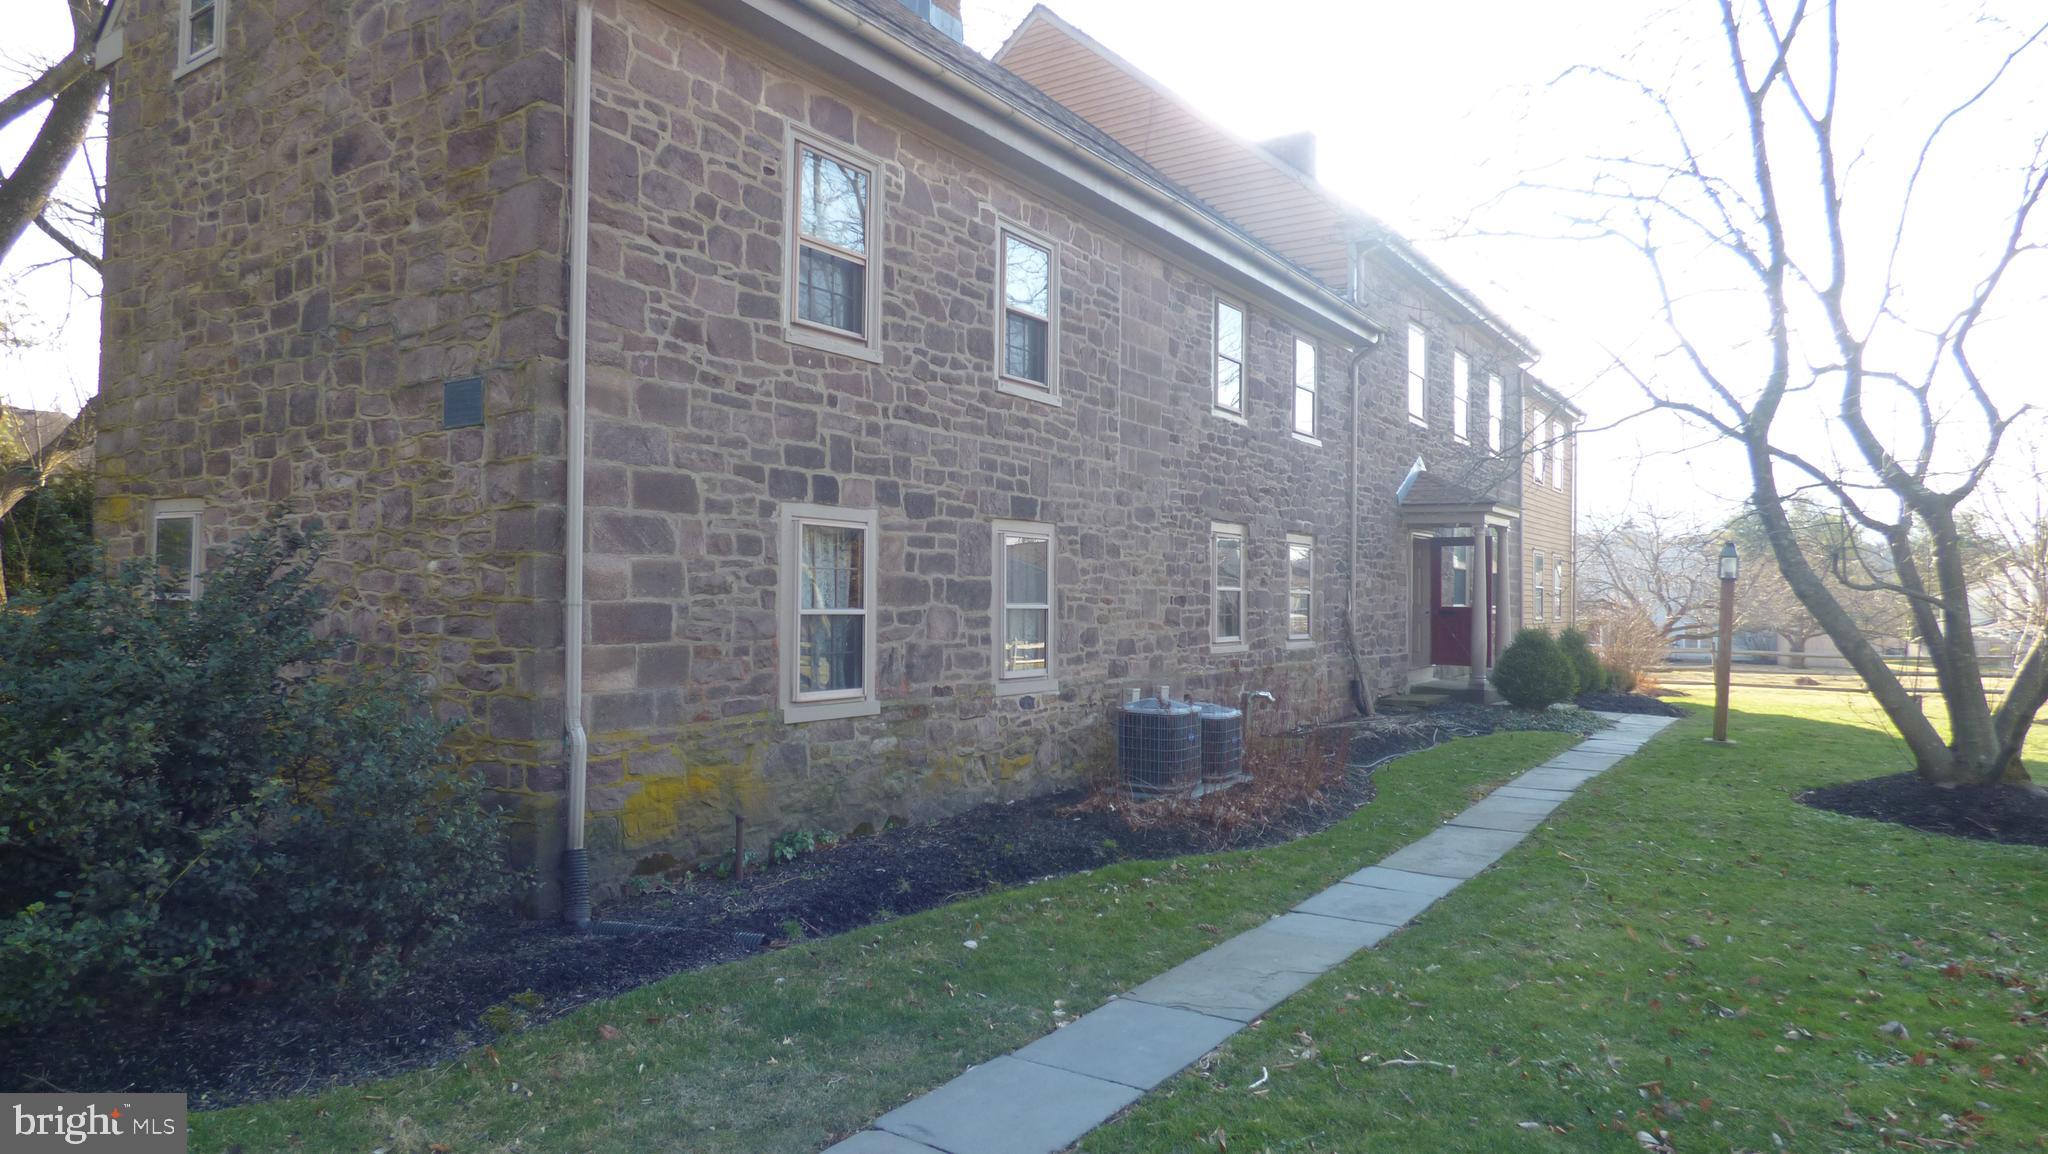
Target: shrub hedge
1534	673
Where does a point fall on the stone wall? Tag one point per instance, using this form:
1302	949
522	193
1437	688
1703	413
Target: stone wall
306	238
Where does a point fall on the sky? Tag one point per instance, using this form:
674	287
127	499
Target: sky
1446	120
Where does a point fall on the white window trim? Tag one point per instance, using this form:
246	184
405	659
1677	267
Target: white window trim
1301	640
794	517
1315	392
1244	333
1560	433
1536	436
1049	392
1538	615
1241	643
1496	412
1557	587
162	510
1461	398
186	61
1418	374
1009	685
796	330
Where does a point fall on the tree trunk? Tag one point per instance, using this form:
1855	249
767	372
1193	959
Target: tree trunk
1797	657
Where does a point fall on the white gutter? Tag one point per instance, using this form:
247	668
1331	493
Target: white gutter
576	864
1264	268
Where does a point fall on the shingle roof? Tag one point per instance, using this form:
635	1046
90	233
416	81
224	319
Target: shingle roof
1430	490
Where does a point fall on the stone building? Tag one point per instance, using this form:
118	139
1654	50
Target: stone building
774	407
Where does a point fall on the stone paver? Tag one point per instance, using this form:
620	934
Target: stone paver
1544	777
1453	851
1136	1043
1367	904
1009	1106
1047	1095
1407	881
880	1142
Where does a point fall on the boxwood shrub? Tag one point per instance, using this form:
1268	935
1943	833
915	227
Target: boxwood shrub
1533	672
194	795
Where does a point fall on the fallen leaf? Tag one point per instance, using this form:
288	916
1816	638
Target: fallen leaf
609	1033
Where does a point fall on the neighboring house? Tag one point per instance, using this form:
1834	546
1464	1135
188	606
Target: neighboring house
924	414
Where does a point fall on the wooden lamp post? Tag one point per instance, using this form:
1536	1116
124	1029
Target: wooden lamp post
1730	565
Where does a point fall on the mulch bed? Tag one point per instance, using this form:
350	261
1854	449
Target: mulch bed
2002	814
1628	703
235	1050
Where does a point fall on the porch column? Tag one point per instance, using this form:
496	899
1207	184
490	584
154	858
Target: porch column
1478	596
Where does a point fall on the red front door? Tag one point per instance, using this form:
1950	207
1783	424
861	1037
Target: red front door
1450	601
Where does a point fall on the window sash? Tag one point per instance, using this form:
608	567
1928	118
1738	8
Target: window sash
1027	333
1229	590
1229	390
1539	586
1461	397
1015	662
1418	375
1494	410
182	571
832	270
830	600
1300	590
1304	388
1557	438
197	19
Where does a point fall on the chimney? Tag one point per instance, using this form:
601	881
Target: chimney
1297	152
943	15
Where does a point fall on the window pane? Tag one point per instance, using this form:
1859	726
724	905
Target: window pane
1024	641
1229	384
831	290
174	552
1305	412
1297	614
1024	347
829	651
1300	566
1418	373
1456	574
1027	276
1229	561
834	202
202	28
1304	365
1461	395
1229	615
1026	580
833	559
1229	332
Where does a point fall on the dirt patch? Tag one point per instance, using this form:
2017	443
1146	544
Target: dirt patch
1986	813
235	1050
1628	703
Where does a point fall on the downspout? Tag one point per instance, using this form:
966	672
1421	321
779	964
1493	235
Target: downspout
575	858
1361	694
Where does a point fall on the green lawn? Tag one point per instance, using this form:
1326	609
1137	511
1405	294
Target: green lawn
1684	949
788	1050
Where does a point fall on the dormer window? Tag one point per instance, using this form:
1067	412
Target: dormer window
199	33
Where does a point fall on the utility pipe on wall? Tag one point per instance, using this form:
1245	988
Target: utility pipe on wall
575	858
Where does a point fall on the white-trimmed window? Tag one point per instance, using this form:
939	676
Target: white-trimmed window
1227	563
1557	585
1304	389
1028	342
1025	642
1301	588
828	582
1418	375
177	544
1461	397
1537	434
1539	587
834	270
1560	435
200	27
1229	358
1495	410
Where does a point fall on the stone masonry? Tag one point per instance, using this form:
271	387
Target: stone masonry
362	201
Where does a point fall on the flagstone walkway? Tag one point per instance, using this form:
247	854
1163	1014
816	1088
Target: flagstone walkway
1049	1094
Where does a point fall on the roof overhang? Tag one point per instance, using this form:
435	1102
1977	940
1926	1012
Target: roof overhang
843	43
1493	515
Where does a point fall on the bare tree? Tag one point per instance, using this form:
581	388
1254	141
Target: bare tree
1769	208
71	88
1656	568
